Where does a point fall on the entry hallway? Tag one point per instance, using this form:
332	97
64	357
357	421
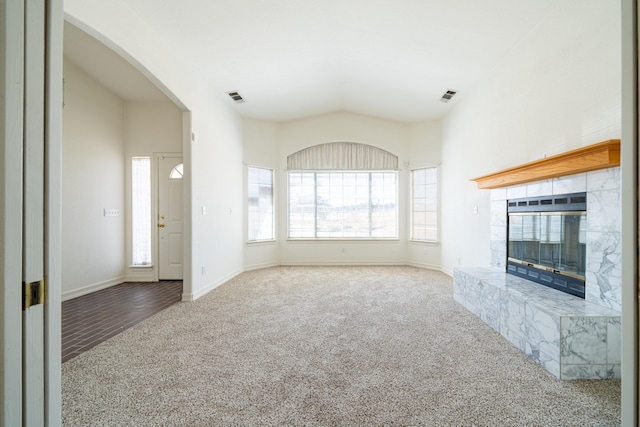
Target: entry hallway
91	319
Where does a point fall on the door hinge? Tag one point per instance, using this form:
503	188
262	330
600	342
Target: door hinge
33	293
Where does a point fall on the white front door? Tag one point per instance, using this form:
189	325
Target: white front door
170	218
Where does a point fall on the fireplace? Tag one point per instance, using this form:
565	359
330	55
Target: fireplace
547	240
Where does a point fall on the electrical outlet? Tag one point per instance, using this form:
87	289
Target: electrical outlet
203	270
204	210
112	212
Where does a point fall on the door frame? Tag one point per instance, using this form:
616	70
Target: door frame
630	162
155	236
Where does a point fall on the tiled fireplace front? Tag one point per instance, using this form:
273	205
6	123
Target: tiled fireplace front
571	337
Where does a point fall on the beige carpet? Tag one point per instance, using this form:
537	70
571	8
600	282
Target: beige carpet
325	346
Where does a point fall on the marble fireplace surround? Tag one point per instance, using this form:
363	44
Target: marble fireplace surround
571	337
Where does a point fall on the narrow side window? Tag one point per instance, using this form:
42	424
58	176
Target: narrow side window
141	210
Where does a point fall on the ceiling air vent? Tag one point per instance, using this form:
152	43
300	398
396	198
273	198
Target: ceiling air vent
448	95
236	97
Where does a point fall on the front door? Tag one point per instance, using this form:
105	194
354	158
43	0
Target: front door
170	218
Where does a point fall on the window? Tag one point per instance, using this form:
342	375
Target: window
141	210
260	205
343	204
176	173
424	204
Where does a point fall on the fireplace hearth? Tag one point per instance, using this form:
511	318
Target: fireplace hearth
547	240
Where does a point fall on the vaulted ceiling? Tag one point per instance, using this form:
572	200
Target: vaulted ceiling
295	58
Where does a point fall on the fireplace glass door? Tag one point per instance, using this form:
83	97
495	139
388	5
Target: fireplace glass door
554	241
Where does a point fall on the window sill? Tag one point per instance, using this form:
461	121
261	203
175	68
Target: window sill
149	266
363	239
261	242
428	242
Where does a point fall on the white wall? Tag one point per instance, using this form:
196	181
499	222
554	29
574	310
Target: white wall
425	150
213	162
92	180
261	150
268	144
557	90
149	127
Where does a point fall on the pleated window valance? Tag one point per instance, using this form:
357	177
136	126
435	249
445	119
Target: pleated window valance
342	156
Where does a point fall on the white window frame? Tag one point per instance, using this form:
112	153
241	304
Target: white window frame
270	213
141	235
314	206
431	192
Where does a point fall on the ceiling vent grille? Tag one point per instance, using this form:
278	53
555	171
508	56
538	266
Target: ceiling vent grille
236	97
448	95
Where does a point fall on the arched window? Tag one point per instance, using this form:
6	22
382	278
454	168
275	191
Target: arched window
343	190
176	173
342	156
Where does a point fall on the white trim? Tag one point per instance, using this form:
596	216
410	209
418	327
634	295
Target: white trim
92	288
425	265
188	297
343	239
140	274
342	263
446	271
261	242
260	266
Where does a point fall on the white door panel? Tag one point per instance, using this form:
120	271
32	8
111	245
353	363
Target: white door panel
33	206
170	219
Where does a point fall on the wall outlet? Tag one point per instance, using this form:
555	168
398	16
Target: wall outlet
203	270
112	212
204	210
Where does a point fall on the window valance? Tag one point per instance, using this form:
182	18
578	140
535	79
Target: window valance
342	156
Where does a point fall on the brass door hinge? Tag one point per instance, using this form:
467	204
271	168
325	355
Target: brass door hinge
33	293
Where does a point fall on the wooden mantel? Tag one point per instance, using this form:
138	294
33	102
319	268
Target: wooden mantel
602	155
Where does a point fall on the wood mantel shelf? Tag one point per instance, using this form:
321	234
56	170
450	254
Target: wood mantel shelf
602	155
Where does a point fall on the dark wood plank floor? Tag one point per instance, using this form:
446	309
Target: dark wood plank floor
91	319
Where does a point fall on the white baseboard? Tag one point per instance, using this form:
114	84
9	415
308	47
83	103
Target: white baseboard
75	293
211	286
425	266
336	263
446	271
188	297
260	266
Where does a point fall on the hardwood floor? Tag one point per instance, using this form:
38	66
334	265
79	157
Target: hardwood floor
91	319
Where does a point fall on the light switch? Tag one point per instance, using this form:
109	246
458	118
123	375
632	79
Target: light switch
112	212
